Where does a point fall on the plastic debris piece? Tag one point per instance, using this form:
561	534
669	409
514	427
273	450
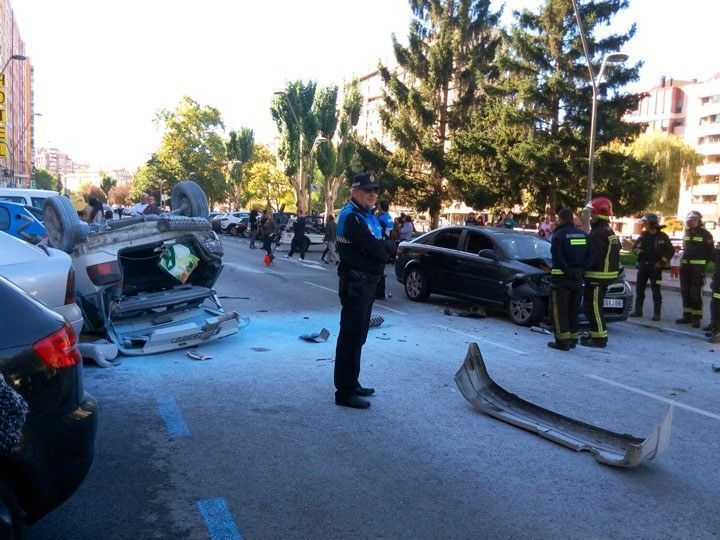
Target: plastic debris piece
540	330
475	312
316	337
376	320
196	355
383	337
101	352
716	368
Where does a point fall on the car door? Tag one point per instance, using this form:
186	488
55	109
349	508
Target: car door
438	261
481	277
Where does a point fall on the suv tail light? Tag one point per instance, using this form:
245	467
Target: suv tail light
70	288
59	349
104	273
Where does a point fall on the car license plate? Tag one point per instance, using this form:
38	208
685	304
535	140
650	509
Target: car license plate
613	303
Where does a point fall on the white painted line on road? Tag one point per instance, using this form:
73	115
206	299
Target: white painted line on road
478	338
374	305
655	396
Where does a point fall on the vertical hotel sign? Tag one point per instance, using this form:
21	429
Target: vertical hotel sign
3	130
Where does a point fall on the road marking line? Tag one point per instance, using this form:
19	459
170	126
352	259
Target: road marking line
170	413
655	396
374	305
478	338
218	520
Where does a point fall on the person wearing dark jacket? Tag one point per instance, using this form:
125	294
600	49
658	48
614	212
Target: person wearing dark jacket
363	254
603	269
714	327
570	256
654	251
298	239
698	247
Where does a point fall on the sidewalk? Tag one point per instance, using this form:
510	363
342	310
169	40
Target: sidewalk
667	283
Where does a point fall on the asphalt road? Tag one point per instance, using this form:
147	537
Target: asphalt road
249	443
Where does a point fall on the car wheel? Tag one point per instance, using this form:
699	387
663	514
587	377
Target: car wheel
189	198
246	232
232	230
416	287
10	513
306	243
63	226
525	311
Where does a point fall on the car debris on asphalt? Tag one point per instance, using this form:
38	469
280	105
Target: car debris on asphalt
476	312
101	352
540	330
376	320
196	355
607	447
716	368
316	337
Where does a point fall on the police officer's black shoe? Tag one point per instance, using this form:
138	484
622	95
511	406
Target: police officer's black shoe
683	320
559	345
594	342
364	392
354	402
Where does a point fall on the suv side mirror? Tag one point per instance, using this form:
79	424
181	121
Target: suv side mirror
488	254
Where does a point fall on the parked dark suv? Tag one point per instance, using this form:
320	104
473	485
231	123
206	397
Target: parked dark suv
40	360
499	268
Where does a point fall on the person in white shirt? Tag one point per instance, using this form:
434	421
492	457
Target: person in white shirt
139	207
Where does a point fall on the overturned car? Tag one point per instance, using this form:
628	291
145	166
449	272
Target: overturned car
147	281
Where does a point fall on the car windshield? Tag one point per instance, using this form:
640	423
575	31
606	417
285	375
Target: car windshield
525	247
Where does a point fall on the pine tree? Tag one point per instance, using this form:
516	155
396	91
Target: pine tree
440	80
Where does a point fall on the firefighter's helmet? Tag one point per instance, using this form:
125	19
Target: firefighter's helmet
602	206
693	214
651	220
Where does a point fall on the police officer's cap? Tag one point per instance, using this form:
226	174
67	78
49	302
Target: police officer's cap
365	181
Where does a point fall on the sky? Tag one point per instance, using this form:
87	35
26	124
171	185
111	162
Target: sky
104	68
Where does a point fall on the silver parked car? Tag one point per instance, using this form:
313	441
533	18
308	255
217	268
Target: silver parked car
147	281
45	273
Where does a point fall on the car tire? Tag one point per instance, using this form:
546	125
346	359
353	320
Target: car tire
247	233
526	310
189	197
10	513
232	230
416	287
306	243
63	226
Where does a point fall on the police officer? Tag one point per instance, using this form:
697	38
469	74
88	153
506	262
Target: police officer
697	250
654	251
363	255
603	269
570	257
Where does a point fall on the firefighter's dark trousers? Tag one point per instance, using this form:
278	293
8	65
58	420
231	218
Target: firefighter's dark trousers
692	279
357	294
564	309
593	298
715	310
647	272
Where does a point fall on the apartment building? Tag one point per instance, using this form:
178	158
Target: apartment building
54	161
16	106
691	110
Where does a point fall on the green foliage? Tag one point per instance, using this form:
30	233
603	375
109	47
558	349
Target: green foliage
239	149
88	190
534	139
264	185
107	183
191	148
442	77
120	194
674	160
45	180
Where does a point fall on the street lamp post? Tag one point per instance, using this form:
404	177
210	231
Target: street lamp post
610	58
13	57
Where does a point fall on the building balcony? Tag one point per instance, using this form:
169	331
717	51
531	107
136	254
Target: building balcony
708	129
699	190
711	169
709	149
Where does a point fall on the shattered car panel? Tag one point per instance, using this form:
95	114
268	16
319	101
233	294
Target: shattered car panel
607	447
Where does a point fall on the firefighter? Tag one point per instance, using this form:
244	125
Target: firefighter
603	269
697	250
654	251
713	328
570	257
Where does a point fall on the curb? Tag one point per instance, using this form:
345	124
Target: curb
668	330
670	288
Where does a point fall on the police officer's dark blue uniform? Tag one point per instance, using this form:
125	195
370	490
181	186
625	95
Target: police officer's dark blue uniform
363	254
570	256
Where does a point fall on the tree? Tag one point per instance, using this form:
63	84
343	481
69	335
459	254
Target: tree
545	85
88	190
296	119
120	194
335	155
265	186
450	52
45	180
239	150
107	183
191	148
675	162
